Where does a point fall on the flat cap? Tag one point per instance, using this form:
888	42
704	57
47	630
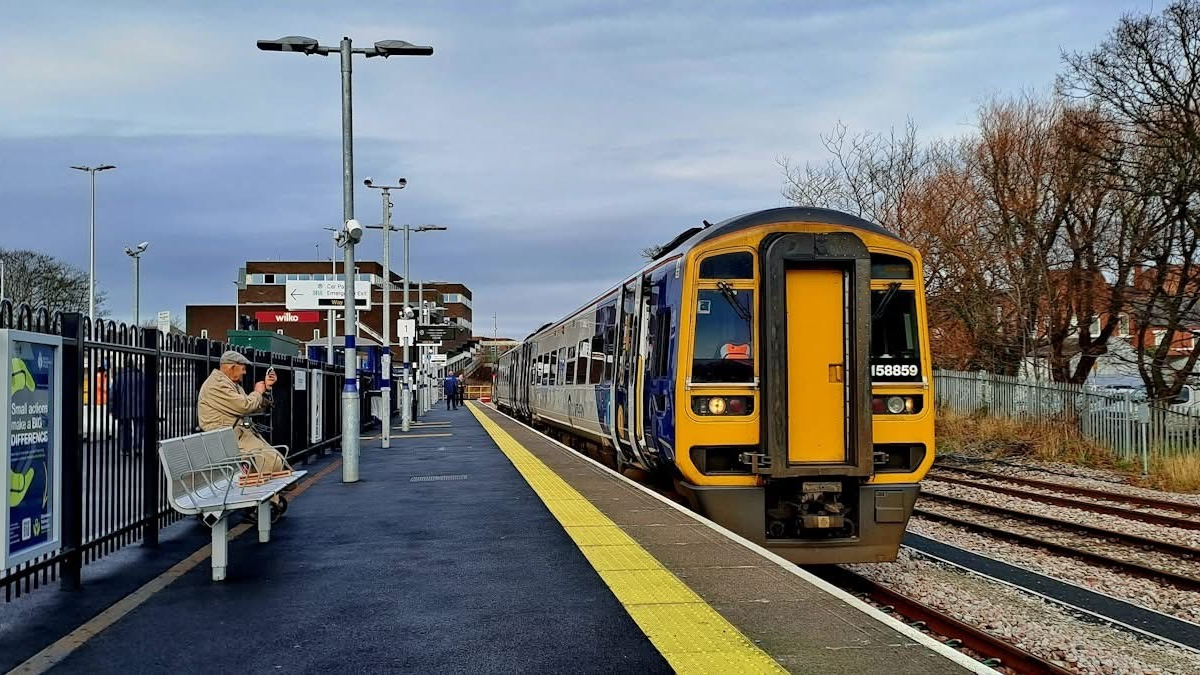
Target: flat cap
234	357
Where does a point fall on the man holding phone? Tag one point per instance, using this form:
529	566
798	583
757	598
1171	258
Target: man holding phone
223	403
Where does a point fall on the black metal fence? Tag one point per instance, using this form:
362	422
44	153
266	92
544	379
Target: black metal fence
124	389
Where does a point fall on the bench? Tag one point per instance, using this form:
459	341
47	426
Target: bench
207	475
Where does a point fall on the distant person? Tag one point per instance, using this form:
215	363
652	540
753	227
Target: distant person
450	389
127	404
223	403
462	388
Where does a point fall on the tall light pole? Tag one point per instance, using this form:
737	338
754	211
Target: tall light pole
136	253
385	383
385	48
92	171
237	306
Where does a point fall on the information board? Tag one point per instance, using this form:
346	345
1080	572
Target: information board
31	431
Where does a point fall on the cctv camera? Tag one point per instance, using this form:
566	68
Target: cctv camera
354	231
408	312
367	181
401	183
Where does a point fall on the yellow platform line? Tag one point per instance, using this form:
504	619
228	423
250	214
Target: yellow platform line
692	636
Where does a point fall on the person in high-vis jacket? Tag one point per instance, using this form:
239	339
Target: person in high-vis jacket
223	403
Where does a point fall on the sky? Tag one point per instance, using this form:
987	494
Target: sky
555	140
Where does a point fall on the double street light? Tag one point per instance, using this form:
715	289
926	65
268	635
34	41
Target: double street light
136	253
384	48
92	171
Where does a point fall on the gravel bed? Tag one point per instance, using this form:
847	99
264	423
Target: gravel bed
1079	540
1148	593
1096	479
1069	495
1165	533
1028	621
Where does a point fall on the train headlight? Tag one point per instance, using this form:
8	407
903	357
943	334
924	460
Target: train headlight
895	404
716	405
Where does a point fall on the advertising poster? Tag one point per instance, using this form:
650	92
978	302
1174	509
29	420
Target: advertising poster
32	448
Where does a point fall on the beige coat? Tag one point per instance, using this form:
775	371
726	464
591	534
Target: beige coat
222	403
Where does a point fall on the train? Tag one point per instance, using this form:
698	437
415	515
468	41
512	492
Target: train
771	370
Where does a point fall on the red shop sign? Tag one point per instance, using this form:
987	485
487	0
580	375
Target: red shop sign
288	317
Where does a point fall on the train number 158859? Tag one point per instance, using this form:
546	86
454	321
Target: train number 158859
894	370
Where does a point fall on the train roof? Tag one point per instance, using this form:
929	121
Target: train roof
785	214
694	236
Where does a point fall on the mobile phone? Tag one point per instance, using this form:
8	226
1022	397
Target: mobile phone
271	370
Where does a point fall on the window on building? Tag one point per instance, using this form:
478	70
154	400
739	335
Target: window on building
1123	325
1095	327
268	278
1158	338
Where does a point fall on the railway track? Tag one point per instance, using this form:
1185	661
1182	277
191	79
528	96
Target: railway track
1182	508
1145	543
993	650
1127	565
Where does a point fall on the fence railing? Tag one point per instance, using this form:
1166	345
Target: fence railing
1120	421
142	386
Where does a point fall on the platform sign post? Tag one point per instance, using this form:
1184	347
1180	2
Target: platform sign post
31	432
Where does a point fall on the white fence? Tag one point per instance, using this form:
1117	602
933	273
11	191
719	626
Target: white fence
1122	422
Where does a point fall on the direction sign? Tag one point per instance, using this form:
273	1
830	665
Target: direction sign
437	359
301	295
437	332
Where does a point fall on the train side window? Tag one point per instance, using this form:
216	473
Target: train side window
890	267
553	369
728	266
610	348
661	334
597	369
569	366
581	364
560	365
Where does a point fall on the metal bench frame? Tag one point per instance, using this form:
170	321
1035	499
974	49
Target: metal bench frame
202	472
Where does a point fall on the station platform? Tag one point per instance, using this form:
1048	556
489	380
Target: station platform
475	544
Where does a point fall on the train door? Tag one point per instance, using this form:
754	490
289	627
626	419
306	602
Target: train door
624	382
817	297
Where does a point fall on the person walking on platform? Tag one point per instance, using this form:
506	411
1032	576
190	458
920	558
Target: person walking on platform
223	403
127	404
462	388
450	389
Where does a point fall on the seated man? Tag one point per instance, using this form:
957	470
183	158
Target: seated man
223	403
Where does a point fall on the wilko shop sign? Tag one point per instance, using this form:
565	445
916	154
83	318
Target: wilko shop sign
288	317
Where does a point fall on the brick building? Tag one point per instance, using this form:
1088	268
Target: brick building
263	298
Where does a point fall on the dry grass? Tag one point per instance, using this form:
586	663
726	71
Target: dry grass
1016	439
1002	438
1179	473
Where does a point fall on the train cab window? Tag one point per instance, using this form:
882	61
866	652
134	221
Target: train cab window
728	266
569	363
724	342
890	267
895	348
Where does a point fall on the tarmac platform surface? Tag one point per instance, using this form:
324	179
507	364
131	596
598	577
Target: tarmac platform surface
456	553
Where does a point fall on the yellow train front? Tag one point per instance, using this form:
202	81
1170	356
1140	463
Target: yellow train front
774	367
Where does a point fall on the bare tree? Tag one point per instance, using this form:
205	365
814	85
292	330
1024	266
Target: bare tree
1145	80
870	175
40	280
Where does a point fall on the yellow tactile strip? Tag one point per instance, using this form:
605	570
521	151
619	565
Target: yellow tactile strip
690	634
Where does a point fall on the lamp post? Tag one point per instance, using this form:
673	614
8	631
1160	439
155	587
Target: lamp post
385	48
136	253
385	383
237	306
92	171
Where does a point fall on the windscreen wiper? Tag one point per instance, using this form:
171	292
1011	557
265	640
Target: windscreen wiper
885	301
731	297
